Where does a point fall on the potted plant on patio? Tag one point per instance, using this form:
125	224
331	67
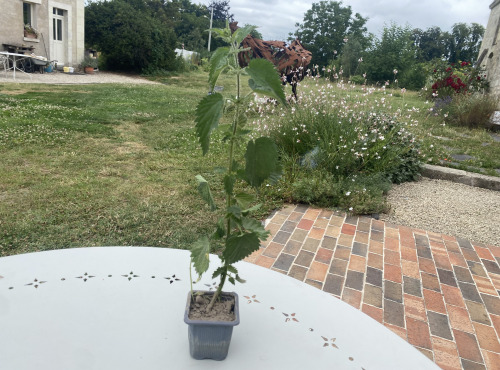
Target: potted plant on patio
30	31
89	64
236	231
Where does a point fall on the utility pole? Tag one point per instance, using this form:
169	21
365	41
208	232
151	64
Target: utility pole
210	31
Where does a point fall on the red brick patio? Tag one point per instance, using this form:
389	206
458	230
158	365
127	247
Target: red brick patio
439	293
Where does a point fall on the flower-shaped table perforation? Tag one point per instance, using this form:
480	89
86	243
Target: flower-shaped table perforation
126	312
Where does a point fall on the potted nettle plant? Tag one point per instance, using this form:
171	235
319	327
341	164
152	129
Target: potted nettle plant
239	234
89	64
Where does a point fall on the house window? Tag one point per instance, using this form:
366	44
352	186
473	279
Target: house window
28	13
57	24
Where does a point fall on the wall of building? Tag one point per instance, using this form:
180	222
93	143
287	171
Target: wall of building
489	55
12	27
12	24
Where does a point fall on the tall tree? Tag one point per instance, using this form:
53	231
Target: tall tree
464	42
431	43
351	56
392	56
222	11
190	22
325	27
130	35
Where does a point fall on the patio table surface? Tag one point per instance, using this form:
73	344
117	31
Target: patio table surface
438	292
123	307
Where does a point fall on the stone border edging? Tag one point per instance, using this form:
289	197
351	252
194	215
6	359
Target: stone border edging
460	176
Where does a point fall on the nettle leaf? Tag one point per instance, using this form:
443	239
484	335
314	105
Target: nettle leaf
265	79
218	272
236	165
240	246
200	251
243	132
218	62
240	280
222	33
240	34
206	194
220	230
234	212
242	119
208	114
244	199
261	162
256	227
251	209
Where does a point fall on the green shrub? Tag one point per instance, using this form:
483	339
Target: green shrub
316	187
130	36
471	110
330	150
413	78
358	80
364	195
345	143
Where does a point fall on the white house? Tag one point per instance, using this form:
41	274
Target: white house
60	26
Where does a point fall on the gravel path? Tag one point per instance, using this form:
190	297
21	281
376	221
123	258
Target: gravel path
448	208
73	78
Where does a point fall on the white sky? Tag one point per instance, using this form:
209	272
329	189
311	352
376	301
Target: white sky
276	18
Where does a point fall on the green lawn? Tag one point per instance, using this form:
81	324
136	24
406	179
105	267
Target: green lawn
96	165
93	165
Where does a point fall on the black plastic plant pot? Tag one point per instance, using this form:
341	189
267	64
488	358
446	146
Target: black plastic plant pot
210	339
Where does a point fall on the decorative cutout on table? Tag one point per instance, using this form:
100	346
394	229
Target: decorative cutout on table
251	299
290	317
85	277
36	283
130	276
172	278
327	342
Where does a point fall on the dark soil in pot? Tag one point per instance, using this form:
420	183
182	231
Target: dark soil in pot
223	309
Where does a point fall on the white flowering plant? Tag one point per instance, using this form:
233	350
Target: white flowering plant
343	144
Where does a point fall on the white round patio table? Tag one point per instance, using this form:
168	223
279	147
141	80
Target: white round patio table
122	308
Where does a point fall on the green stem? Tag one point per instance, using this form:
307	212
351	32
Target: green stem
230	167
191	279
218	291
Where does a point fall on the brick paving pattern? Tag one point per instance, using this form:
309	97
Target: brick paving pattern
439	293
